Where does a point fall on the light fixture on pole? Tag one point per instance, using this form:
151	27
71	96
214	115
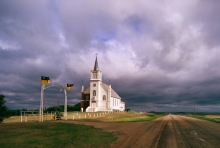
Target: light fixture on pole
68	87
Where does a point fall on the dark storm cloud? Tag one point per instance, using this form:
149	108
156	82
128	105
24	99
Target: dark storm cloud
159	55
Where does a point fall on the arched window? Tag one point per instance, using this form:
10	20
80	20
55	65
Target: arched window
94	93
104	97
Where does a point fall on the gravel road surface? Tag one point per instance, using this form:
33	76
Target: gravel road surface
171	131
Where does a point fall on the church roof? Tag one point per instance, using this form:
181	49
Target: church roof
87	91
113	93
105	87
96	66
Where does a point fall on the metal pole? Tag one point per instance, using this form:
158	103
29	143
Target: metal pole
25	117
41	103
21	116
194	109
40	112
42	116
65	106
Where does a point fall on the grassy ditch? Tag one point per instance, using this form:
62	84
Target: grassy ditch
212	118
53	134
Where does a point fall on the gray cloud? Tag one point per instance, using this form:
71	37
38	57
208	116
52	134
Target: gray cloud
159	55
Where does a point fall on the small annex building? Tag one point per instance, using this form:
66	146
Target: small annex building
100	96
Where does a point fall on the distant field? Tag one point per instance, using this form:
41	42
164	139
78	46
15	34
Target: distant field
52	134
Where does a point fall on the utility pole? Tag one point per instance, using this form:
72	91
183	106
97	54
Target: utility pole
194	109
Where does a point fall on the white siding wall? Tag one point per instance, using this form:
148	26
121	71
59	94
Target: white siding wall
115	104
103	103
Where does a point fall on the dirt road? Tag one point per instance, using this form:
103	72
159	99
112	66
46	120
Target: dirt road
171	131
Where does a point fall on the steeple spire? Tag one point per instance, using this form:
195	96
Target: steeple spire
96	67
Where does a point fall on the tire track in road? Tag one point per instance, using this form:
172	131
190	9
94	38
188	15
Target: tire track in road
168	136
187	140
201	135
143	136
151	134
190	133
207	131
158	139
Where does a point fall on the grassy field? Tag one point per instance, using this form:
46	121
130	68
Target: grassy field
213	117
52	134
123	117
94	117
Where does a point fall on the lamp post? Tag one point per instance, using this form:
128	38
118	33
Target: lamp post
44	81
68	87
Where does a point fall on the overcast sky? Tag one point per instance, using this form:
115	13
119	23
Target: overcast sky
160	55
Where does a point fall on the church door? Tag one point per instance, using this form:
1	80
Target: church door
93	104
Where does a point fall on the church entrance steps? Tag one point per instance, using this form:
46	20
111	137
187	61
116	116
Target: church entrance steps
90	109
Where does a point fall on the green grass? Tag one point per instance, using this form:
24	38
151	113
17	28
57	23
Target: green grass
106	117
125	117
203	117
213	117
53	134
144	117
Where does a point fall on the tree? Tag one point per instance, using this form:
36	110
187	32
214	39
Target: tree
76	107
60	108
127	110
3	109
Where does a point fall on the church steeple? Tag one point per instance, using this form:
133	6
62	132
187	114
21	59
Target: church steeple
96	74
96	66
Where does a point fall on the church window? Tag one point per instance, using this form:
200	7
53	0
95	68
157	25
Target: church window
94	93
104	97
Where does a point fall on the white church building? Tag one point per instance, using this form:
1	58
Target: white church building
100	96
